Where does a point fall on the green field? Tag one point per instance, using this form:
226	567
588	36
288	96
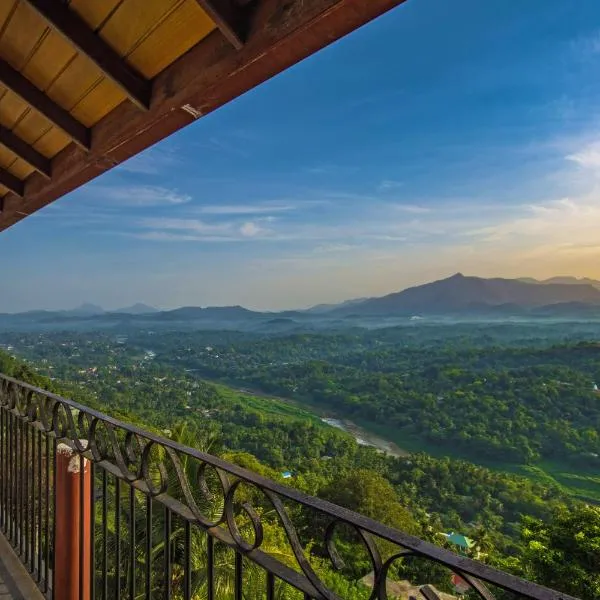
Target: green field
268	405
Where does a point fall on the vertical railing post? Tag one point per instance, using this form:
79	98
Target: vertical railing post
73	532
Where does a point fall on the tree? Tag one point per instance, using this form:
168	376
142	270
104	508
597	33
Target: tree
564	553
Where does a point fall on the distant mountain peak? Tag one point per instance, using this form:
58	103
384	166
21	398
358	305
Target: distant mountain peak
87	308
460	293
139	308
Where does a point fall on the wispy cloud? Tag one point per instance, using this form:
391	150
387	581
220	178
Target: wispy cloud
195	225
153	161
390	184
141	195
168	236
587	157
196	230
245	209
412	208
587	46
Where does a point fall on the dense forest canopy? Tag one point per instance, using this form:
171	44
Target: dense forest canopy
501	424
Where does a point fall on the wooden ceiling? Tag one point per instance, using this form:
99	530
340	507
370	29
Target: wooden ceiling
86	84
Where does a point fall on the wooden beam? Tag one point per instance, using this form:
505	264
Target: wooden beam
23	150
230	19
14	184
76	31
30	94
208	76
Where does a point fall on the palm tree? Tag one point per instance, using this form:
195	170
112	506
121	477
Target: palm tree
133	516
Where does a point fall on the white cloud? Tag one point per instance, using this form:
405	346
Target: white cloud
165	230
168	236
412	208
588	157
251	229
141	195
193	225
390	184
151	162
245	209
588	46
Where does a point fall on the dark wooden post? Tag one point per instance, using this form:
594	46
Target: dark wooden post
73	539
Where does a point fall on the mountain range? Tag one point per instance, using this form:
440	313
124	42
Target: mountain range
564	280
458	295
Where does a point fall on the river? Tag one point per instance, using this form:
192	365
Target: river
366	438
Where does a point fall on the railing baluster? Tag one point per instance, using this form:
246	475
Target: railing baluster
210	568
3	473
40	546
31	466
19	478
104	534
148	547
92	541
270	586
238	576
26	499
11	467
187	566
54	448
81	545
22	479
3	477
131	542
118	538
167	552
47	519
19	483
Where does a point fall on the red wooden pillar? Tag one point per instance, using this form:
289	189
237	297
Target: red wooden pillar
72	551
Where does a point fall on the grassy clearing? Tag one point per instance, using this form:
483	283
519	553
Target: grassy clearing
268	405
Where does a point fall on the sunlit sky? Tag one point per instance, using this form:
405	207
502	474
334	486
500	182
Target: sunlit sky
442	137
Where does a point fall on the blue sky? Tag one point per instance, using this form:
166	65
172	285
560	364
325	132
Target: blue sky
442	137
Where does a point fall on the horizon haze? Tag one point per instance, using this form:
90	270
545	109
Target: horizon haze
89	307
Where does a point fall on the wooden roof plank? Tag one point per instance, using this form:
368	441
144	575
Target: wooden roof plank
14	184
76	30
230	18
15	144
208	76
30	94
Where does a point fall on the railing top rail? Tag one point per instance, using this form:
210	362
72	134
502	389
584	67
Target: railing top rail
457	563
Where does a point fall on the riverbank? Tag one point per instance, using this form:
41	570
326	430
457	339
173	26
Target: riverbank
366	438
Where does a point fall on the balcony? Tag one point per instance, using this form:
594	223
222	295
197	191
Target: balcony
96	508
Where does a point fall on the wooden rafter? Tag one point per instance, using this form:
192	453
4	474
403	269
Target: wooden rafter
14	184
23	150
209	75
30	94
230	19
69	24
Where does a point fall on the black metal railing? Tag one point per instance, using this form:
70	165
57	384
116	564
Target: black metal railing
167	521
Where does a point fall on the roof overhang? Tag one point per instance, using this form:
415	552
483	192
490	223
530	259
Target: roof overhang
226	47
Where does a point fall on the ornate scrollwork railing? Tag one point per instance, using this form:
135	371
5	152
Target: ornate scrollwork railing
150	495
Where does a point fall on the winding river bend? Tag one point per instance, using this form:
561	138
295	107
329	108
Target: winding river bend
366	438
